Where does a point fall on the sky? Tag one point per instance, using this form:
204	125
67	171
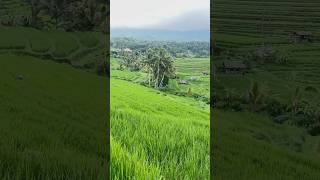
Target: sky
181	15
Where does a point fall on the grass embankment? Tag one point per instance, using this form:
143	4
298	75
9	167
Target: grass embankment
80	49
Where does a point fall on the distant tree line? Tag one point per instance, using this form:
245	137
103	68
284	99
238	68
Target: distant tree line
176	49
70	15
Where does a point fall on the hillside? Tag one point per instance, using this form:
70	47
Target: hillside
157	135
53	120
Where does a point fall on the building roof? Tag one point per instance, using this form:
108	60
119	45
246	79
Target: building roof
231	65
303	33
127	50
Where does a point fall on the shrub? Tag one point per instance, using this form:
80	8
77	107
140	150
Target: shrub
173	85
314	130
311	89
274	108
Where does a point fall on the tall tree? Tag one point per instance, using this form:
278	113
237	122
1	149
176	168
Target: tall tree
160	65
130	60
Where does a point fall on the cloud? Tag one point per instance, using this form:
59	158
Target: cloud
143	13
190	21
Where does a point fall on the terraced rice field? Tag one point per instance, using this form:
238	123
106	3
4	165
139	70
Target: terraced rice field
197	72
13	7
250	145
251	17
243	25
77	49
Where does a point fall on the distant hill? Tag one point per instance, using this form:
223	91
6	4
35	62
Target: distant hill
163	35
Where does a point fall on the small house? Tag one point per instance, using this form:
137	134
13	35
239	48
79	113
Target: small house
205	73
183	82
234	67
302	36
127	50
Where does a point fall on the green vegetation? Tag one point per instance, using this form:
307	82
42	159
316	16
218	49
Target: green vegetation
164	135
53	116
267	120
62	112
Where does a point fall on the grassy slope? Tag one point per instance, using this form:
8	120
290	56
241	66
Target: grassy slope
250	146
173	136
53	122
169	134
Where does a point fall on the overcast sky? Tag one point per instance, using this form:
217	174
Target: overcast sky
161	14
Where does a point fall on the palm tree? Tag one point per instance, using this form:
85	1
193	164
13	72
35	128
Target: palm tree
160	64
